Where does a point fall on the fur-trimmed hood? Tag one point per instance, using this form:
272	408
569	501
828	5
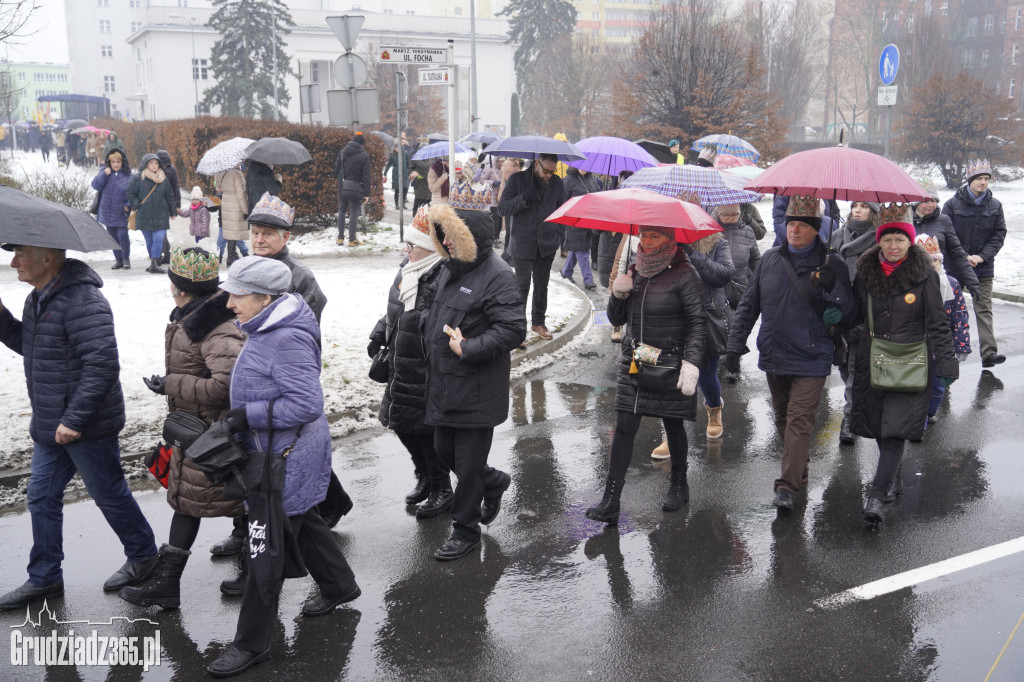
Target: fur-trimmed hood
707	244
471	232
916	267
210	313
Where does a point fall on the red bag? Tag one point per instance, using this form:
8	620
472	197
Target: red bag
159	463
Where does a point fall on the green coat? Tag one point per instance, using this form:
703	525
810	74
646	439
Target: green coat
156	212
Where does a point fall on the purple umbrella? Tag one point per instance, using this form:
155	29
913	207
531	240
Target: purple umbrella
612	155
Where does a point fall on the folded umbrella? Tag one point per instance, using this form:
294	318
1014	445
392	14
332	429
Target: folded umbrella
612	155
278	151
224	155
529	146
32	221
626	210
714	187
729	144
437	150
839	173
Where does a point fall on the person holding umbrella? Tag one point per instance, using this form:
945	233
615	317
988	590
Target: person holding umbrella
150	195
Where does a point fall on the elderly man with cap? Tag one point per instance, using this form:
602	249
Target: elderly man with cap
801	293
979	224
277	377
66	335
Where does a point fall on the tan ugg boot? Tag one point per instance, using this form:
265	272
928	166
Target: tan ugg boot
661	452
715	427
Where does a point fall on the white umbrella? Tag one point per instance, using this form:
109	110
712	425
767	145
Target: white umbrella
223	156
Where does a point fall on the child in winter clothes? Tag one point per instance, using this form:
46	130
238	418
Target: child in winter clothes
199	215
956	312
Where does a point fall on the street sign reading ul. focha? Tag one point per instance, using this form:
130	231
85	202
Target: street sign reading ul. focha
434	76
889	64
413	55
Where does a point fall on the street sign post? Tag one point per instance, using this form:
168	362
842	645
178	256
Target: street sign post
350	70
309	98
350	106
400	54
434	76
888	67
345	107
346	28
887	95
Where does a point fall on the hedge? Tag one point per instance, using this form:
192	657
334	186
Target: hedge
311	189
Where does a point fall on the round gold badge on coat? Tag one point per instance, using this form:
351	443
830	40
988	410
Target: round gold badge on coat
910	298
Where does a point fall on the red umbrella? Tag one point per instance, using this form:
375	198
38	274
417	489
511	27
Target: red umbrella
626	210
723	161
839	173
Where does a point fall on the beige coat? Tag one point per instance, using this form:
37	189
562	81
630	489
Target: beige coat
234	204
436	184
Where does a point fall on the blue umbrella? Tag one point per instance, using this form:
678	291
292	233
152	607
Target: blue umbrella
729	144
529	146
437	150
481	138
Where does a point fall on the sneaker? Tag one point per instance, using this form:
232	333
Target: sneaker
356	242
340	242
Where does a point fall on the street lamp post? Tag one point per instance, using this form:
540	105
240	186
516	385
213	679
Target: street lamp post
195	62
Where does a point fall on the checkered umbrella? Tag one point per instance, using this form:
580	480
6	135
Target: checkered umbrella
729	144
436	150
714	187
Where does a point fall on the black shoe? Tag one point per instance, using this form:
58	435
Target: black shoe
420	492
591	286
492	504
607	510
163	588
783	498
28	593
236	586
895	488
118	264
454	549
874	511
154	267
132	573
846	436
318	606
235	660
439	501
731	377
993	359
678	491
233	545
127	264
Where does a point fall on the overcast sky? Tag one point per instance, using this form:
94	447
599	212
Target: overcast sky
45	39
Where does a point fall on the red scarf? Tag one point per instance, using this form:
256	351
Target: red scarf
887	267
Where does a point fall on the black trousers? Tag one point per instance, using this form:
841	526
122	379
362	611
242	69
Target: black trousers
416	203
626	426
890	458
324	561
496	219
350	202
537	270
465	451
425	461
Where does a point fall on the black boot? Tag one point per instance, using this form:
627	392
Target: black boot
236	587
127	264
118	264
896	488
607	510
438	501
846	436
154	267
874	511
678	491
420	492
163	587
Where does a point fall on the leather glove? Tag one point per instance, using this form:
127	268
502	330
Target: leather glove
832	315
237	421
946	381
975	291
824	278
688	248
688	373
732	362
372	348
156	383
622	287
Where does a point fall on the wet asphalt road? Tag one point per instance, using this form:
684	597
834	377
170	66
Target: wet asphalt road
724	589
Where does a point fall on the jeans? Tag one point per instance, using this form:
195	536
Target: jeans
938	391
221	243
98	461
983	315
121	236
154	242
537	270
351	202
583	258
709	384
795	401
465	451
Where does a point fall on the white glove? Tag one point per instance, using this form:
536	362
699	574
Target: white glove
622	287
688	373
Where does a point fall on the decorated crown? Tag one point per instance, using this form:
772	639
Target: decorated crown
894	213
929	188
194	266
708	152
930	245
470	197
270	210
803	207
421	222
978	167
689	197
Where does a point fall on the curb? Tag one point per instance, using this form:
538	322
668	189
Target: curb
572	329
1004	296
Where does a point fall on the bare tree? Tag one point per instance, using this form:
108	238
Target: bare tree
14	15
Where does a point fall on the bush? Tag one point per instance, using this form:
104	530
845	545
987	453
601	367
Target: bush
62	187
311	189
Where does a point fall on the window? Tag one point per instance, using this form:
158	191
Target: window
104	26
1020	18
1016	53
103	3
595	16
984	58
134	4
182	3
108	84
314	72
910	22
885	20
972	27
458	11
989	25
136	25
945	9
106	50
200	70
1013	84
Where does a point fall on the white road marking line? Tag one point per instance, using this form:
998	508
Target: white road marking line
920	575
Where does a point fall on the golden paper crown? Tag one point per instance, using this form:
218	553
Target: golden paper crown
978	167
469	197
194	266
689	197
894	213
803	207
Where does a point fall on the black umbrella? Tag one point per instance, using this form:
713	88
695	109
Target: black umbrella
389	141
278	150
75	123
31	221
658	150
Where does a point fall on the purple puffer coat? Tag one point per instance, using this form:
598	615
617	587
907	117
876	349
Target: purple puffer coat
281	361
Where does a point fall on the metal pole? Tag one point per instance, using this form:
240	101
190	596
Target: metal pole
472	67
451	113
273	34
399	106
888	128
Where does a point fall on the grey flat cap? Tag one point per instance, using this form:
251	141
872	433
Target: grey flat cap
257	275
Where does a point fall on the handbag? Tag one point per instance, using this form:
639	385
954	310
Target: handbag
897	367
379	366
135	211
654	370
159	462
718	330
94	208
217	453
182	429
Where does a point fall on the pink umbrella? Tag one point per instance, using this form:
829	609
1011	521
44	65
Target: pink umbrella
723	161
839	173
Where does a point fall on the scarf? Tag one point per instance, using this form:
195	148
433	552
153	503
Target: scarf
975	199
887	267
438	168
157	177
650	264
411	274
858	237
800	252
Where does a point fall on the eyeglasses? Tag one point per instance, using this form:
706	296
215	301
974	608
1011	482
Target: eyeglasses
547	171
728	215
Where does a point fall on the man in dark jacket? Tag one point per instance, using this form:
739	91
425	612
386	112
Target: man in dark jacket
260	179
66	336
476	320
794	344
172	176
979	223
929	220
399	172
529	197
577	239
829	219
353	172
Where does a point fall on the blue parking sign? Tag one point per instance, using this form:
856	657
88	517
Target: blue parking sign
889	64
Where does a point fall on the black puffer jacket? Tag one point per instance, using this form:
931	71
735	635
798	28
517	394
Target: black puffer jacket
712	259
607	245
155	202
260	179
937	224
172	174
906	305
353	164
404	405
478	294
745	255
526	205
981	228
71	362
578	238
667	312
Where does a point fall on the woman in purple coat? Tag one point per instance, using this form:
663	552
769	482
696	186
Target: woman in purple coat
280	363
112	185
